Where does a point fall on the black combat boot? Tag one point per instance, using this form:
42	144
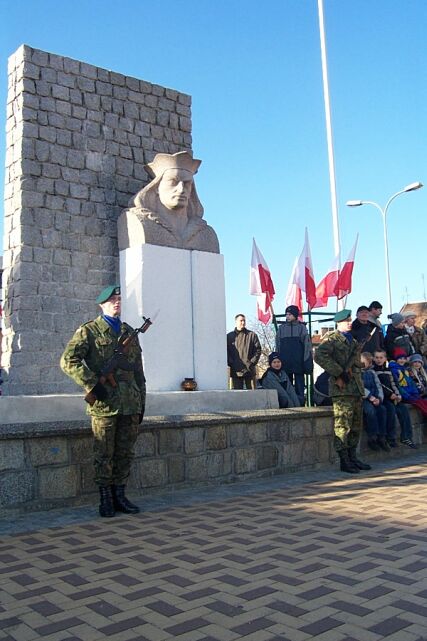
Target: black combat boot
121	503
353	459
106	507
345	464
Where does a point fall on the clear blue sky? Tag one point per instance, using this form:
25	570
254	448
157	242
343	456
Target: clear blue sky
254	72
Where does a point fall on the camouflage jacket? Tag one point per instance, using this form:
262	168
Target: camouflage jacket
335	354
91	347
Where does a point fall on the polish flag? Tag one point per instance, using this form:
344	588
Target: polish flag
263	309
343	284
294	293
302	279
261	284
326	288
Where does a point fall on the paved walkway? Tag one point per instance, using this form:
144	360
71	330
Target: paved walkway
317	556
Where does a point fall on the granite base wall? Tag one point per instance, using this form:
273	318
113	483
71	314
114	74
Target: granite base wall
43	466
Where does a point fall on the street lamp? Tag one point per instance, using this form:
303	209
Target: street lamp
383	212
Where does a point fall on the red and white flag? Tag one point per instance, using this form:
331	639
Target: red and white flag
326	288
302	279
343	285
263	309
294	293
261	284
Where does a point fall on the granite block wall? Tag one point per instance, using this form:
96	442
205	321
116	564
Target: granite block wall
43	466
78	137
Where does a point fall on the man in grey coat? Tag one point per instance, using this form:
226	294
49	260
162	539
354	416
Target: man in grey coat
294	346
276	378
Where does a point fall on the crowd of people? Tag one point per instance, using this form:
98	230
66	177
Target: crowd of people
370	378
104	358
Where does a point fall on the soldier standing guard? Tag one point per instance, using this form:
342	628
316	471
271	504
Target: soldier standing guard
118	402
339	355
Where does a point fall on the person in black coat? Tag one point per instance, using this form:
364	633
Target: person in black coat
365	331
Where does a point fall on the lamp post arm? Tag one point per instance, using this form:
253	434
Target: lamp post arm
390	200
383	212
376	205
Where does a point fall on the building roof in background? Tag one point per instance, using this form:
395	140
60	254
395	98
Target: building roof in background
420	309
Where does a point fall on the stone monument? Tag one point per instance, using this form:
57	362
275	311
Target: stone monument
169	260
78	137
81	142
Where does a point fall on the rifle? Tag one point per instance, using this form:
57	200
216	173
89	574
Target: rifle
339	381
117	361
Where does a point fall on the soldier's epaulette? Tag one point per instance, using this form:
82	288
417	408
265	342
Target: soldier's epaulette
84	325
87	323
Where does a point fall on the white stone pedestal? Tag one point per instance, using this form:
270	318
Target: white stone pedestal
71	407
188	336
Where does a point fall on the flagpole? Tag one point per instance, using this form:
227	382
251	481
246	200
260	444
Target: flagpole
332	181
273	317
309	376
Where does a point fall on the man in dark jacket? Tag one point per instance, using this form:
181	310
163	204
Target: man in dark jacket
375	311
366	332
243	354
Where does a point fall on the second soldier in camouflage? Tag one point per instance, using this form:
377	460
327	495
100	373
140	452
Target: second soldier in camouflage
339	355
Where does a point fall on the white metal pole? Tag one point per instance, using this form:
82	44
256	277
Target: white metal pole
387	262
383	213
332	182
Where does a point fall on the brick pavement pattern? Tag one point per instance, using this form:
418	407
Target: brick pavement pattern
323	557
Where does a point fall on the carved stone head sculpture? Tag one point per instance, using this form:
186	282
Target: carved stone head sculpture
168	211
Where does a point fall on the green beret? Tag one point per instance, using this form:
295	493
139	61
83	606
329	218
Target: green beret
342	315
107	293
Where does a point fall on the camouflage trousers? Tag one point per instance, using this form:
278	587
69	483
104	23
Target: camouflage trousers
113	447
348	421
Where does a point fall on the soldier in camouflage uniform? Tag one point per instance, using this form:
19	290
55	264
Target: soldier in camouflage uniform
120	401
339	355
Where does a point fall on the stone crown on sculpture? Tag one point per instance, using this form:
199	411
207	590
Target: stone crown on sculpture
168	211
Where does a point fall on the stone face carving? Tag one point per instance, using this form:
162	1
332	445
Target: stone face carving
168	211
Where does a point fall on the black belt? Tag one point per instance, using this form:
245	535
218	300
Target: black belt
124	376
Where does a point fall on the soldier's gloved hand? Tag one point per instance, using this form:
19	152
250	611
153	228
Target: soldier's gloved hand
100	392
345	377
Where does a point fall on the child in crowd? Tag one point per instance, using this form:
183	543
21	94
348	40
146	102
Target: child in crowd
276	378
374	412
418	373
405	383
393	403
